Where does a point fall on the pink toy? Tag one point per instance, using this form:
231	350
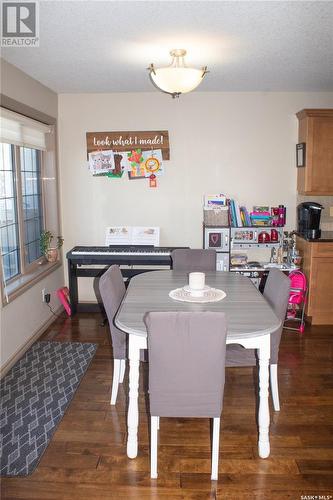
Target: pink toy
297	299
63	295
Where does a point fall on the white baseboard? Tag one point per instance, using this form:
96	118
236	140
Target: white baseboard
20	352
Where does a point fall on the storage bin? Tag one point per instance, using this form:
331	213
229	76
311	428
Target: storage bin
216	216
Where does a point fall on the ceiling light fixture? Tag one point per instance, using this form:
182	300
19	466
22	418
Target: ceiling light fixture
177	78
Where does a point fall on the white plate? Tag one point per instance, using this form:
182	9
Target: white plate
211	295
192	290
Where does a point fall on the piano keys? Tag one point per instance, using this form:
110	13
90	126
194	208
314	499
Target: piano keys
132	254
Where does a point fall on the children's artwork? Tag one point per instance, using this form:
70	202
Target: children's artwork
101	162
153	162
120	165
144	164
136	165
108	163
139	164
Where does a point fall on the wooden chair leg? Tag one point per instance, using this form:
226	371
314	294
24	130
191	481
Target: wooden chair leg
122	370
115	381
274	387
215	449
153	446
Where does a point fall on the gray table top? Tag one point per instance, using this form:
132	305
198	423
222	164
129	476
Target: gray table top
248	313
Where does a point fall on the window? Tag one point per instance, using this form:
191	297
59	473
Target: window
25	163
21	208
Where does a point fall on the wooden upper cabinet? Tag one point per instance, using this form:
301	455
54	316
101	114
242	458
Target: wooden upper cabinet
316	130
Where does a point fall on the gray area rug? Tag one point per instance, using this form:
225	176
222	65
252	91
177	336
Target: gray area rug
34	397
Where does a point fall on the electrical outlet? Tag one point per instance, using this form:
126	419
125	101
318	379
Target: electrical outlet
44	293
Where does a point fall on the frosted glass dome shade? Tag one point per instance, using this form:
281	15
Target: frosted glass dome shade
177	78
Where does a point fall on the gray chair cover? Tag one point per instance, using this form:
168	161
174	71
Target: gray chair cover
276	292
186	363
112	290
191	260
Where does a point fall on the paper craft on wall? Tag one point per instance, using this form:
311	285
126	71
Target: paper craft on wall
120	165
136	169
107	158
153	162
101	162
145	164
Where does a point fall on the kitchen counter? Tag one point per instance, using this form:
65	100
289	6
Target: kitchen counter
326	236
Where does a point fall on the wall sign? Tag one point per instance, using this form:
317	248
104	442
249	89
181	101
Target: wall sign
128	141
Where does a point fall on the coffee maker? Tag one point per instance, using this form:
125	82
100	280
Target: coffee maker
308	214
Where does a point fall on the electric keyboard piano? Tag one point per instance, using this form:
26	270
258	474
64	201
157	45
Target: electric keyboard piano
128	255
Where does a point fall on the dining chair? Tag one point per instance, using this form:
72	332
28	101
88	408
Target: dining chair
112	290
276	292
186	371
193	259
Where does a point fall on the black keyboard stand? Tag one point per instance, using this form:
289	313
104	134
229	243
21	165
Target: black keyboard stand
80	266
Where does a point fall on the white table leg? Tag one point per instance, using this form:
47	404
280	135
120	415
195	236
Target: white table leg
263	417
134	345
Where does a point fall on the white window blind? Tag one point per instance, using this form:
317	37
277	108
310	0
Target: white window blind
21	131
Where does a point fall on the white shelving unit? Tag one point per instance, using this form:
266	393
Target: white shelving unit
229	240
218	238
248	237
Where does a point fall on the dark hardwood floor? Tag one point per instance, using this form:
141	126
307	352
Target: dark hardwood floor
86	458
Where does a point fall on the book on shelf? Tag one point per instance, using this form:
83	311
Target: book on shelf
233	214
261	209
260	223
238	214
229	212
245	216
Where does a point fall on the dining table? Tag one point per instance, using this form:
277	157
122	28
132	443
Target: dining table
250	321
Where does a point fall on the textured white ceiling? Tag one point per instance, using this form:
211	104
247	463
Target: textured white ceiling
105	46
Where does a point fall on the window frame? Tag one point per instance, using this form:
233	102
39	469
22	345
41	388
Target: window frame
28	267
32	273
16	223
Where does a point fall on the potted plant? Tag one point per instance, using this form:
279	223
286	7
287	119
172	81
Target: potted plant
50	252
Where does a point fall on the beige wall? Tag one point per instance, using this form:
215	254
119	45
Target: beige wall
241	144
19	86
25	317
